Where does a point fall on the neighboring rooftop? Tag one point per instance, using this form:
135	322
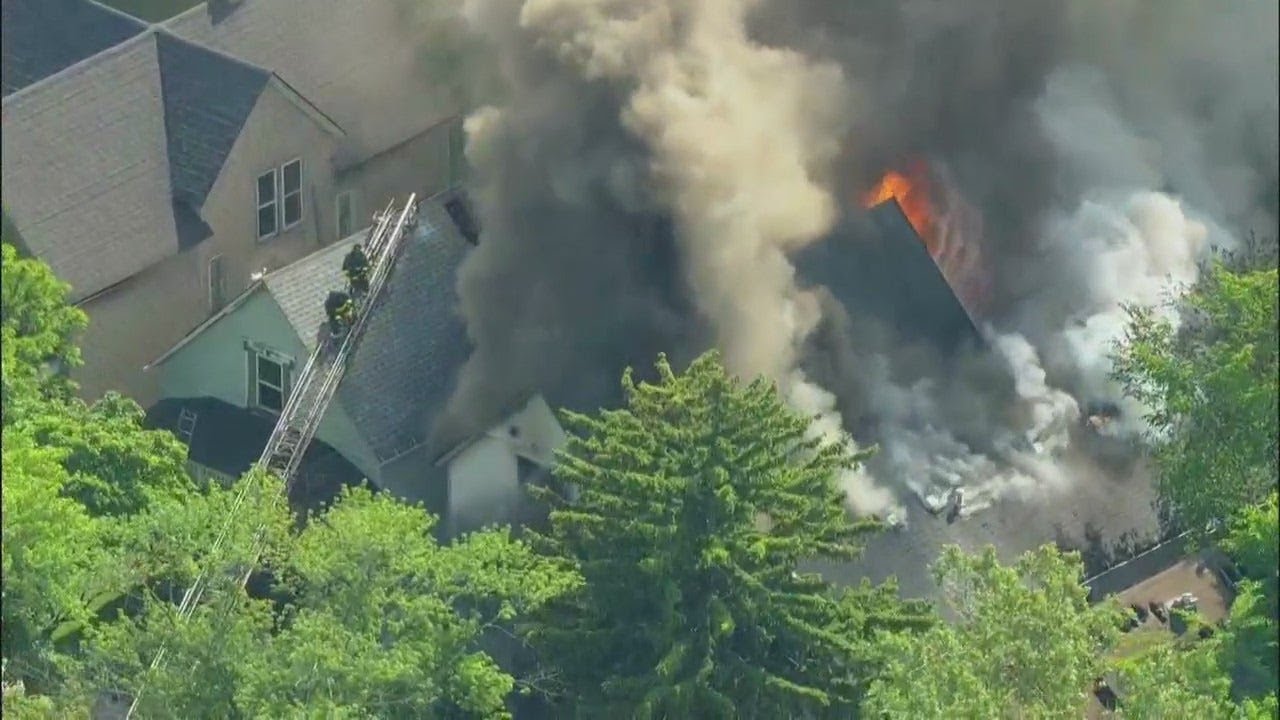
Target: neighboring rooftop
207	99
107	162
42	38
338	53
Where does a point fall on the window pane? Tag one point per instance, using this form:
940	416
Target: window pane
269	372
292	209
267	220
292	177
344	215
266	188
270	398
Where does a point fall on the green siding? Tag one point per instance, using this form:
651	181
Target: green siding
216	364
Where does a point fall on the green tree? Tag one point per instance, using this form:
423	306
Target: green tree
51	549
696	504
1026	642
1212	390
1186	678
115	465
37	330
1252	641
378	620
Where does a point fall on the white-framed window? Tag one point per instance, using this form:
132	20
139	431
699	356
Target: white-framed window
270	381
217	284
291	193
345	213
267	192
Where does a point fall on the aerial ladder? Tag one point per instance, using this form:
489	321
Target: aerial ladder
318	382
314	391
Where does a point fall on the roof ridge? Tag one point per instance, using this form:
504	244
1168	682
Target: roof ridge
143	24
161	30
81	65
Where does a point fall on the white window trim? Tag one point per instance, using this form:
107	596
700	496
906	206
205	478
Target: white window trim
258	382
215	292
255	350
350	197
260	206
281	193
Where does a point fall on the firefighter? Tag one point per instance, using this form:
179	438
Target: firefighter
341	312
356	267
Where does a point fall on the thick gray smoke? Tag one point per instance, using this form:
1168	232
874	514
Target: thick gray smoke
648	165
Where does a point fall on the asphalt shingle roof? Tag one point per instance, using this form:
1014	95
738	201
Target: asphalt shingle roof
879	265
207	99
86	168
229	439
107	164
41	37
361	62
404	368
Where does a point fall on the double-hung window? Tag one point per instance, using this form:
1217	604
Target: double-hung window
291	192
267	205
270	382
279	194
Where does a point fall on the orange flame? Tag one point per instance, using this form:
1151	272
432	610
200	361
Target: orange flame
911	190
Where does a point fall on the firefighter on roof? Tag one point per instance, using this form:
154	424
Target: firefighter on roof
341	312
356	267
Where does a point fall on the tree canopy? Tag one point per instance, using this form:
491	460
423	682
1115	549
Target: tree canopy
1212	389
1025	642
696	504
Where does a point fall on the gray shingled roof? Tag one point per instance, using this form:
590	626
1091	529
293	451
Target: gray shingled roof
107	164
403	371
879	265
359	61
207	99
41	37
86	169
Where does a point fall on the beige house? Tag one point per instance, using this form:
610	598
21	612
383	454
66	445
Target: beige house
158	168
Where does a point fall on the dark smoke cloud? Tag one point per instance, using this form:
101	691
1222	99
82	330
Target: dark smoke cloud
1105	144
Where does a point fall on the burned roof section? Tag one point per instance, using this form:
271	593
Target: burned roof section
875	263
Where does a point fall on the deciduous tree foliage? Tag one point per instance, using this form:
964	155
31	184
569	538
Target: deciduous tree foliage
696	504
37	327
1212	387
380	621
104	533
1251	641
1026	642
52	550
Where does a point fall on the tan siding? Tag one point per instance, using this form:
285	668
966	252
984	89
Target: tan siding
420	165
135	323
147	314
277	131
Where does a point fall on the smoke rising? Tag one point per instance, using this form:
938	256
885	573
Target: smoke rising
647	166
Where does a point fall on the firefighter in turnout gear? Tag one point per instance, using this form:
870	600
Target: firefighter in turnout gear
341	312
356	267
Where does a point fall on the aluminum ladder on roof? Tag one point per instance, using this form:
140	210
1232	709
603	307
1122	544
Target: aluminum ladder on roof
320	377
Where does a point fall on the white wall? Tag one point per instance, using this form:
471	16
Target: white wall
484	486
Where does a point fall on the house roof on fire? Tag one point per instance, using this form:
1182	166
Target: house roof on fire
878	264
403	370
114	136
